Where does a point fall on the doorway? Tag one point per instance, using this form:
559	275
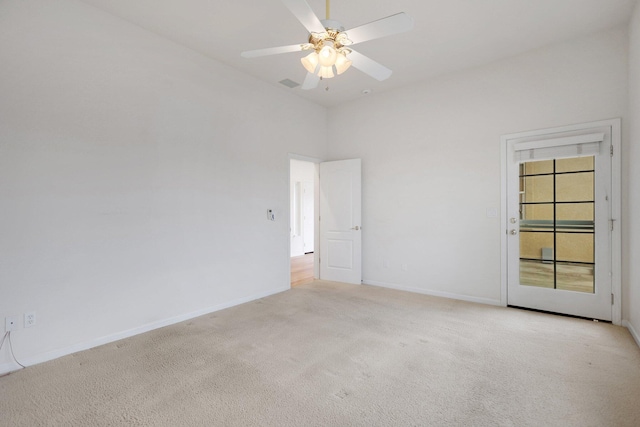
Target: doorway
336	199
561	197
302	196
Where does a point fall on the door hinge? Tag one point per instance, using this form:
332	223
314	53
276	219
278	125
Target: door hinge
612	299
611	221
611	150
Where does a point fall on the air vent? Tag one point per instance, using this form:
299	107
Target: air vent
289	83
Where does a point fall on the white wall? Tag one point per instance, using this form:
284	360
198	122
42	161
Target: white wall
431	158
633	174
135	176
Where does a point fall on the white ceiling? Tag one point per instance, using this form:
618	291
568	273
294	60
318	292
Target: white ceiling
448	35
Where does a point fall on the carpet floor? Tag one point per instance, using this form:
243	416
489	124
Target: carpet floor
343	355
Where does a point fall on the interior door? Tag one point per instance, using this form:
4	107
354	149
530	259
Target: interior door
558	223
340	226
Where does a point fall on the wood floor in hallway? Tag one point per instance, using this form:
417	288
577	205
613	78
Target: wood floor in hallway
301	269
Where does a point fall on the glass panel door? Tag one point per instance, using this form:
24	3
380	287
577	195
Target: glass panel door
558	243
557	229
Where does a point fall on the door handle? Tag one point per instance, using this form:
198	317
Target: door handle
513	232
356	228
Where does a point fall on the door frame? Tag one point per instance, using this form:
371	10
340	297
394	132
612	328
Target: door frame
616	206
316	210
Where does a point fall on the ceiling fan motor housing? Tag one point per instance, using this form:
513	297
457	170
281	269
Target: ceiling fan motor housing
332	25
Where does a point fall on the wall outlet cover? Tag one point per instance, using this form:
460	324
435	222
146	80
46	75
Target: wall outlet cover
10	323
29	319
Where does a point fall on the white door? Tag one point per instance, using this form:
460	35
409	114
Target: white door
558	222
340	226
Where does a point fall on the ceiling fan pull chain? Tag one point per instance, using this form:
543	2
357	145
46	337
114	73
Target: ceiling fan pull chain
328	9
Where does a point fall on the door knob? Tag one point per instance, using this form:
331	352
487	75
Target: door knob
513	232
356	228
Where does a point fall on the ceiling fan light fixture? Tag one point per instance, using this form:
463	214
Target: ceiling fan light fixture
310	62
343	39
326	72
328	43
342	63
318	36
327	55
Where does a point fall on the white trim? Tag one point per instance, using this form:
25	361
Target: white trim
632	331
616	210
616	205
556	142
6	368
295	156
563	129
54	354
485	301
503	221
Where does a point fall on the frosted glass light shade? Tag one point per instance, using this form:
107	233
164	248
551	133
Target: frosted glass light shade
327	55
326	72
342	63
310	62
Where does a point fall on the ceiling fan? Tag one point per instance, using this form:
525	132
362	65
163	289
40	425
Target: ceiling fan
329	44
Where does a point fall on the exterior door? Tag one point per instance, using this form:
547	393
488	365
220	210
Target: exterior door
340	230
559	222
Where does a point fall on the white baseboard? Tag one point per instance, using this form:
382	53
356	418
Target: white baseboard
487	301
631	329
54	354
5	368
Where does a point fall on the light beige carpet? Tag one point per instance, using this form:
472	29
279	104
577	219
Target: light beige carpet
343	355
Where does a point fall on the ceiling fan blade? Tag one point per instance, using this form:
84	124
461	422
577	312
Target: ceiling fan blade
271	51
369	66
310	82
302	11
394	24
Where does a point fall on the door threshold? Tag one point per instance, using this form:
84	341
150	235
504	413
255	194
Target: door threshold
559	314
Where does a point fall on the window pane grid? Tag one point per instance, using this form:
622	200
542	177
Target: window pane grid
557	224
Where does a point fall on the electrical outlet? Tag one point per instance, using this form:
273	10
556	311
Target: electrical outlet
10	323
29	319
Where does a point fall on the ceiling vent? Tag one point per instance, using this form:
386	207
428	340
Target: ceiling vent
289	83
